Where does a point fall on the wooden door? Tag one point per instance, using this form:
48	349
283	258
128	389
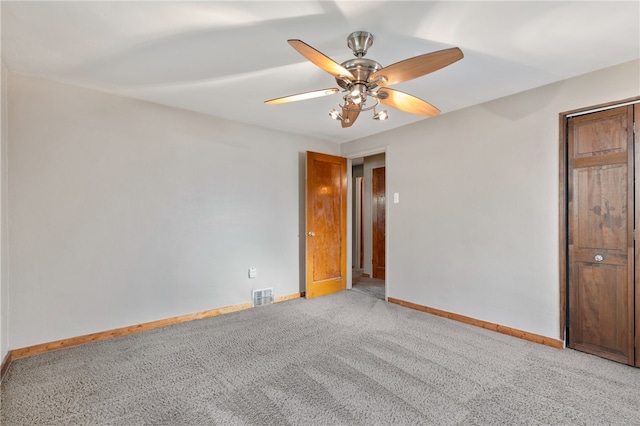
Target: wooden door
378	205
636	147
600	234
326	211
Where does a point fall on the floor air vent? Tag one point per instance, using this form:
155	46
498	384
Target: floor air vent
263	297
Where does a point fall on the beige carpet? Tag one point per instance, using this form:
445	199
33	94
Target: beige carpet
371	286
344	359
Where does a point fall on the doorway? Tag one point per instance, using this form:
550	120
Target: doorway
599	254
369	225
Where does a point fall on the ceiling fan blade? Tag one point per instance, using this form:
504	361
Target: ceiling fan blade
416	67
350	114
321	60
302	96
405	102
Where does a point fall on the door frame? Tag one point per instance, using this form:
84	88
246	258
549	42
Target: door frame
350	212
563	158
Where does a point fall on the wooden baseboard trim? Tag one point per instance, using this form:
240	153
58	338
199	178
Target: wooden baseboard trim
289	297
365	276
103	335
535	338
5	365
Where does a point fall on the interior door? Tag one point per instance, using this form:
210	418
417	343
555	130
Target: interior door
636	147
326	211
378	220
600	234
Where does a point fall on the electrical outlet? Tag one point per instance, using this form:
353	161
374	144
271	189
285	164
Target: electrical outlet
253	272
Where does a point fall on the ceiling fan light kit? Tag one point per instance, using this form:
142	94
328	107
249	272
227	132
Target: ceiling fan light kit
382	115
364	80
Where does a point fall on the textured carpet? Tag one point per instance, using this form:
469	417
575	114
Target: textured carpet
371	286
344	359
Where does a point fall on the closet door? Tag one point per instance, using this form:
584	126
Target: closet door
600	234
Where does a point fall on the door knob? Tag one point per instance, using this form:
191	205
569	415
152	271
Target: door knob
599	258
311	234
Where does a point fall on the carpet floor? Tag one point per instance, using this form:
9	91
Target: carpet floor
371	286
343	359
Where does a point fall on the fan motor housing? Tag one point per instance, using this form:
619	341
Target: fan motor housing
361	68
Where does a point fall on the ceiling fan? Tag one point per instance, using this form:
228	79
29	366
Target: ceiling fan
363	79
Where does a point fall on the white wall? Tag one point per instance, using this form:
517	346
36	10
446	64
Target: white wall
123	212
476	229
4	300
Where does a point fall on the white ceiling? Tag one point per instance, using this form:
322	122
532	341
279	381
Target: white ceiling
226	58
